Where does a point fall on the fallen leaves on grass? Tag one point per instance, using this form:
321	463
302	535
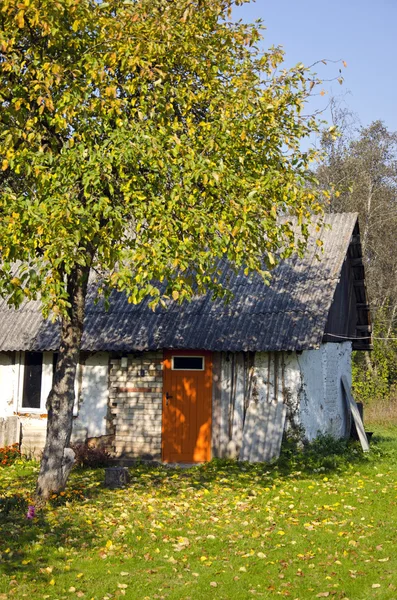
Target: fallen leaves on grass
198	528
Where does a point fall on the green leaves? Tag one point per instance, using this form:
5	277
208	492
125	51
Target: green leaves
147	141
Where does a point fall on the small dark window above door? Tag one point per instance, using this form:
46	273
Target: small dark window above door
188	363
33	370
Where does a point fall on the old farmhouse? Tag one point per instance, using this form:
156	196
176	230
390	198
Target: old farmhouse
205	379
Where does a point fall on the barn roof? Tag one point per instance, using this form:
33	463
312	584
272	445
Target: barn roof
290	314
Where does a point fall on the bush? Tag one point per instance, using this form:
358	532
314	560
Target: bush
324	453
9	454
91	456
16	502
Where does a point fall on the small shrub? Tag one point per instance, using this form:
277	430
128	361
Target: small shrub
91	456
9	454
324	453
16	502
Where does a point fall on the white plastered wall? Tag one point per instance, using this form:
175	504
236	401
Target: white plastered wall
91	390
7	384
308	383
33	421
93	397
313	382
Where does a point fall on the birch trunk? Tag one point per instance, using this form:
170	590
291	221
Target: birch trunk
58	458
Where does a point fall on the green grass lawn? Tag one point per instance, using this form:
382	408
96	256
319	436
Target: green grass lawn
318	525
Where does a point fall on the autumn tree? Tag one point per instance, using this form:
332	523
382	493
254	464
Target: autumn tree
141	140
361	168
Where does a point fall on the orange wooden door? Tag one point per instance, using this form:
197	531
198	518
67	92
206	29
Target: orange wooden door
187	406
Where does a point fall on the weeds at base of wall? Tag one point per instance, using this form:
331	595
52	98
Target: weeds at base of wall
293	427
323	454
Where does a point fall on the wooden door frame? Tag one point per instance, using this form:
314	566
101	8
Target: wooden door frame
208	373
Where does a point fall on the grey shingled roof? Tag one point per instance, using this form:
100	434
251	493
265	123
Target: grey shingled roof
290	314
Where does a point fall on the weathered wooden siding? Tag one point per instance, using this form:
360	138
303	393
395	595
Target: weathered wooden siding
257	395
10	431
244	380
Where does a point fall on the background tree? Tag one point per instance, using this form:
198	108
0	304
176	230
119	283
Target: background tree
361	167
142	140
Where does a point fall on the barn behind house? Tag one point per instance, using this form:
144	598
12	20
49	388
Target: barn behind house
205	379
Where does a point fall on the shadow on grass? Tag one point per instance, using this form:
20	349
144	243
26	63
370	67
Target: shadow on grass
28	547
323	456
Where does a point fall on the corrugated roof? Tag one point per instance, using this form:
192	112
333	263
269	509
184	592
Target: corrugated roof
290	314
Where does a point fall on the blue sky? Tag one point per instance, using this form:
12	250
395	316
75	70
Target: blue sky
362	33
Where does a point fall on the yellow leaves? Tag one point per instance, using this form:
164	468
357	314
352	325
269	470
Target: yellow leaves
271	258
76	25
4	165
109	544
216	176
111	91
20	19
52	582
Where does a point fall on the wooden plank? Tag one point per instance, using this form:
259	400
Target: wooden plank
356	415
263	432
226	373
276	434
216	404
260	432
10	431
249	433
238	412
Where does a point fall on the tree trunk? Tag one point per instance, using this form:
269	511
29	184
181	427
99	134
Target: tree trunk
58	459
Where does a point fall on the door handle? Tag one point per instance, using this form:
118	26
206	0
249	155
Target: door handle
167	397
